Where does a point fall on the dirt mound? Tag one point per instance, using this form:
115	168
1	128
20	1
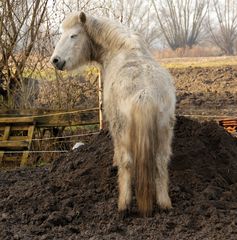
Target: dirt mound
76	198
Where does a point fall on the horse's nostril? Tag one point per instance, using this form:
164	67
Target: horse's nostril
58	62
55	60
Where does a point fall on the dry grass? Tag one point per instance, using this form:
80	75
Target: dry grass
198	62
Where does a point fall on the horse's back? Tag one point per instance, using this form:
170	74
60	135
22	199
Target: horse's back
137	79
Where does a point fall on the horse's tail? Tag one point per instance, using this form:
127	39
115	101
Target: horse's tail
143	147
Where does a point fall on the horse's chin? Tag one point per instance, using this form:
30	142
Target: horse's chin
67	67
70	67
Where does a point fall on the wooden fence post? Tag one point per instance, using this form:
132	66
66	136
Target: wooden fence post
100	100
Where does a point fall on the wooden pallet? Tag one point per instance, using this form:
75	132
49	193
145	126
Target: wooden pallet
16	130
15	139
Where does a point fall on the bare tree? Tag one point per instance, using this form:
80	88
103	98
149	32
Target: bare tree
223	27
62	7
137	15
181	21
20	23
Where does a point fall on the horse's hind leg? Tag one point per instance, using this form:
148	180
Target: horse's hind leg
117	153
162	160
124	181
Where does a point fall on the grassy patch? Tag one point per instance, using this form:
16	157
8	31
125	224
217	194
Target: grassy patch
48	74
198	62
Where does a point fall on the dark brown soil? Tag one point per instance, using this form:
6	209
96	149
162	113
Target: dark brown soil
206	91
76	197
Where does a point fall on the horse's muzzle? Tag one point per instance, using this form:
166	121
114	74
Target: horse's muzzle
58	62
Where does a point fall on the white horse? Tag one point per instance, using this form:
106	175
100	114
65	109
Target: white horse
139	104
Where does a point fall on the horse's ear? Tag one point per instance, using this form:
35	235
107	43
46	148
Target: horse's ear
82	17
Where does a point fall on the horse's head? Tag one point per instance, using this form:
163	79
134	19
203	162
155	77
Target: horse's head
74	47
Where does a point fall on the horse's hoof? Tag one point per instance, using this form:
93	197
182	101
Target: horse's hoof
113	170
164	202
166	206
124	214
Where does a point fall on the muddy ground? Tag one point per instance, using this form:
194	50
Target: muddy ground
76	196
206	91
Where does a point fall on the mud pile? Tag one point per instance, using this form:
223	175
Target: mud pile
76	197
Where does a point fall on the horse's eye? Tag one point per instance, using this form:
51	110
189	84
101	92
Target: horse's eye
73	36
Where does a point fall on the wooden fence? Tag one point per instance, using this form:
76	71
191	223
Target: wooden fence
16	130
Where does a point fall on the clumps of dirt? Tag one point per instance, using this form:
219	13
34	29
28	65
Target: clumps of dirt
76	198
206	148
206	90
